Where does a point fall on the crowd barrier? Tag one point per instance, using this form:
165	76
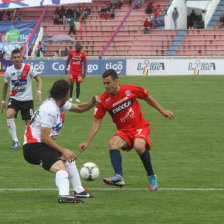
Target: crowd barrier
133	67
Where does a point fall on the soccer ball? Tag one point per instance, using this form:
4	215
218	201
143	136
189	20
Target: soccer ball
89	171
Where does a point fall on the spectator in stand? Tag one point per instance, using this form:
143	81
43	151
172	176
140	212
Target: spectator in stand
66	52
78	14
221	20
39	48
153	22
113	13
157	12
175	16
9	15
5	16
56	54
147	26
56	16
84	14
150	7
72	27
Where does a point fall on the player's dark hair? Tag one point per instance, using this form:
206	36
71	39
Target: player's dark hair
59	89
110	72
15	51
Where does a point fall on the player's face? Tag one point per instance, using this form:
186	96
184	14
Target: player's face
111	86
17	60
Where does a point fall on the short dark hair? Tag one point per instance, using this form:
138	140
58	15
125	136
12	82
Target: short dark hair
110	72
15	51
59	89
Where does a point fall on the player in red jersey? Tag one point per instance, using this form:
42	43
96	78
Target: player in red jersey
133	130
77	58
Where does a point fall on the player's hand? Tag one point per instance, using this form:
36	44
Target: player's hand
39	96
69	155
83	147
66	72
3	106
168	114
95	100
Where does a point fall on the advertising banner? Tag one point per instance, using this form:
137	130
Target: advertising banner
14	35
4	4
94	67
158	67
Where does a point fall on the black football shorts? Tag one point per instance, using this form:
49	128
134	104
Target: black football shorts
40	154
26	108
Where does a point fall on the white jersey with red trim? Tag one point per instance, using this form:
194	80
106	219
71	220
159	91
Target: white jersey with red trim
20	86
47	115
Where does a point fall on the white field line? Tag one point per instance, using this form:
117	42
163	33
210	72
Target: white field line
116	189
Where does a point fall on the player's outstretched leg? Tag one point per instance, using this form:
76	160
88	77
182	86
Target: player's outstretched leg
79	190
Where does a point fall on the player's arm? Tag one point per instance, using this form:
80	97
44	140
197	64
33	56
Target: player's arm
39	87
82	107
4	92
85	68
66	65
93	131
152	102
46	139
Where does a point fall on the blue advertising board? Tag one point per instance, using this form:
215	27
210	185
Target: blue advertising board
4	64
94	67
14	35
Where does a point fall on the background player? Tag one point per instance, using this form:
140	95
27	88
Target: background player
40	148
133	130
21	98
77	58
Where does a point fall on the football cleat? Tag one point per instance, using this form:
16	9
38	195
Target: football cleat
69	199
116	180
70	100
153	185
83	194
15	145
77	100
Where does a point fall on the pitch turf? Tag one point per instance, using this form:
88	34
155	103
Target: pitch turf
187	155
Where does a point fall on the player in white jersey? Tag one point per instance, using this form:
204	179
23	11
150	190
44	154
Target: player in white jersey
40	147
19	75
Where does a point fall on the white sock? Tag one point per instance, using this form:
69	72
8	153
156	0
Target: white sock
12	129
62	182
74	177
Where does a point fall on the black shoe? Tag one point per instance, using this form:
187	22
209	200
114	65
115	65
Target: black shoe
83	194
69	199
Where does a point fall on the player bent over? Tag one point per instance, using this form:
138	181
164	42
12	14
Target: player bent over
133	130
40	146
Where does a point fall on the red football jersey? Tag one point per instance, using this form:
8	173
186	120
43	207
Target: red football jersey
76	60
123	107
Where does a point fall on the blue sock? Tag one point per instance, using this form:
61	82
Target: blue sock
116	161
146	160
71	90
77	92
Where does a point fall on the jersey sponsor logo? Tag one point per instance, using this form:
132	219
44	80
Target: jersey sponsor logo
121	107
128	93
19	82
108	100
12	74
120	101
76	59
130	115
95	111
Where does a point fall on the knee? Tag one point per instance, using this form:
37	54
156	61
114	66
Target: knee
139	148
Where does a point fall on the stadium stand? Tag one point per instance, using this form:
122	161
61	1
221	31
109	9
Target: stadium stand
131	40
96	32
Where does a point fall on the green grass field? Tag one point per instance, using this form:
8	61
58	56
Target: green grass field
187	155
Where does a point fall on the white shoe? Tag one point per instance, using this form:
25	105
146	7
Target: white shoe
70	100
77	100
